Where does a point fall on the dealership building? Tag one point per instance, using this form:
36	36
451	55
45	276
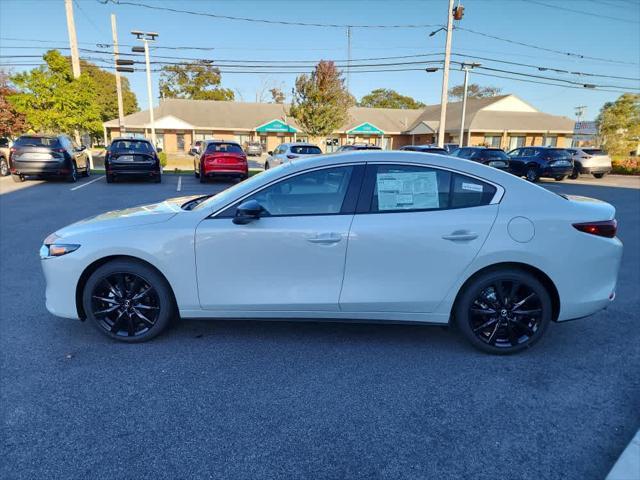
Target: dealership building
504	121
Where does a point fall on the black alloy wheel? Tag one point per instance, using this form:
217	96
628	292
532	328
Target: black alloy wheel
73	176
531	174
599	175
576	172
4	167
128	301
504	312
559	178
87	169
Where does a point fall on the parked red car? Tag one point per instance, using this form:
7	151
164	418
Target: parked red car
217	158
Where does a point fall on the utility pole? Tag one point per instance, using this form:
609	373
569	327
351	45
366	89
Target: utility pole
146	37
73	41
114	32
466	67
348	55
445	77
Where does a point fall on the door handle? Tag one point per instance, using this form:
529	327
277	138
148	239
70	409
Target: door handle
325	238
461	236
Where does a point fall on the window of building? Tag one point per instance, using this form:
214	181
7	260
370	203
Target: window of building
517	141
492	140
180	141
551	141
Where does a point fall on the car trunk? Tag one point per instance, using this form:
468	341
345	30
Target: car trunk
588	209
29	158
597	160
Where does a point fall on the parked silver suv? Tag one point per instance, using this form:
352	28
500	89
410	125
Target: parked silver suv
589	160
287	152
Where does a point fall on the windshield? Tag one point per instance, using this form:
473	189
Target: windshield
223	147
36	142
306	150
132	145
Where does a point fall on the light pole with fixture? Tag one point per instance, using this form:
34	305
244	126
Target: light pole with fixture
466	67
146	37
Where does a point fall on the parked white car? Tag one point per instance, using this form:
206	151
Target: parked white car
286	152
594	161
388	236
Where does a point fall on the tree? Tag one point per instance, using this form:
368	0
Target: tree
320	101
197	80
473	91
106	93
277	95
12	122
53	101
387	98
619	124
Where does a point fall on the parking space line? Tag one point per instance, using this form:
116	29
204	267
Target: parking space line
88	183
179	184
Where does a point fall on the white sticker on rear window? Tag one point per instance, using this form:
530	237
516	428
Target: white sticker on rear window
407	190
474	187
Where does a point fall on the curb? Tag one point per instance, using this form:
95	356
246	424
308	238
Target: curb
628	465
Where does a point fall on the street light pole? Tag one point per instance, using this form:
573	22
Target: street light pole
445	77
466	67
145	37
114	33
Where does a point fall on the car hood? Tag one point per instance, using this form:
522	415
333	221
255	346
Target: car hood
129	217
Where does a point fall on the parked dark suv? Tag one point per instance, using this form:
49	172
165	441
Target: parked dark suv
536	162
493	157
47	156
132	157
425	149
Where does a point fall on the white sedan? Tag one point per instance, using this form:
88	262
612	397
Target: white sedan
384	236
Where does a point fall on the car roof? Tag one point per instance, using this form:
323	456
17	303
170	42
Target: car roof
130	139
298	144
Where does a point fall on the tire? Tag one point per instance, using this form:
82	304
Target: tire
575	174
559	178
202	178
4	167
510	331
599	175
73	176
531	174
110	178
158	179
87	170
196	174
122	320
266	166
17	178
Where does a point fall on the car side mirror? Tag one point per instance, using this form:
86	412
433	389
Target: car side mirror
247	212
270	152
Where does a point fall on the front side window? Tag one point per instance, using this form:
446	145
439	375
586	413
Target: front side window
320	192
402	188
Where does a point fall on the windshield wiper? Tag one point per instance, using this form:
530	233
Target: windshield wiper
191	204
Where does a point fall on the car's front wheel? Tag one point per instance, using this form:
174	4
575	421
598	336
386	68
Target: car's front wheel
559	178
532	174
4	167
128	301
504	311
599	175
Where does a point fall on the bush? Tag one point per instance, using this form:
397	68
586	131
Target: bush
163	159
625	165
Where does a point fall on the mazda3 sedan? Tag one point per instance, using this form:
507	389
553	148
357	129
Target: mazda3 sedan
384	236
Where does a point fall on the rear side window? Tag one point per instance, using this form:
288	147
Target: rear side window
131	146
34	141
403	188
223	147
495	155
306	150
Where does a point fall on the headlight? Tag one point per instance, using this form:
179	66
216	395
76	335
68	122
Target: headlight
51	239
48	251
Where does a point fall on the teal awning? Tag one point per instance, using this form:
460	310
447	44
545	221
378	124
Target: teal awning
276	126
366	128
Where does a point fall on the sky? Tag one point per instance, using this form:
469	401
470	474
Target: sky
606	29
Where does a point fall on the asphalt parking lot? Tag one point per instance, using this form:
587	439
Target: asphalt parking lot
247	399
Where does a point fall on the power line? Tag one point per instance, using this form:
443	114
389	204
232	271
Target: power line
538	47
591	14
262	20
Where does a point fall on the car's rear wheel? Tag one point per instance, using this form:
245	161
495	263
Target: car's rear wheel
110	178
87	169
559	178
531	174
17	178
73	176
599	175
504	311
576	172
128	301
266	166
4	167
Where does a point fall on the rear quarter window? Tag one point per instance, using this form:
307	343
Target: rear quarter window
468	192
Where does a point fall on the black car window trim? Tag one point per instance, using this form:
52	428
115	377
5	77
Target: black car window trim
348	204
365	199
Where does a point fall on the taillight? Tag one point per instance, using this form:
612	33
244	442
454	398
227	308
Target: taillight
607	228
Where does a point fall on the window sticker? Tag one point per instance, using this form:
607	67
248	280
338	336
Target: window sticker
407	190
474	187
